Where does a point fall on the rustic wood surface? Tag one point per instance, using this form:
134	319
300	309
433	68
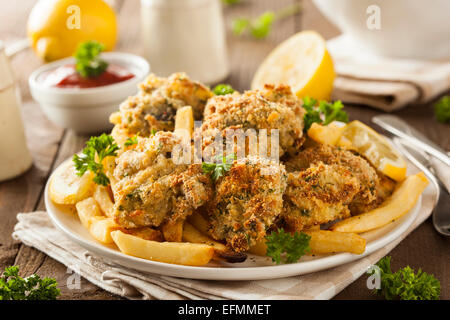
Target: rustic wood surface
50	145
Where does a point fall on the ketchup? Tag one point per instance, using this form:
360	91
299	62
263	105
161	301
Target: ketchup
67	77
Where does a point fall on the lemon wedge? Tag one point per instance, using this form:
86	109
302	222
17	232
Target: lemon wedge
329	134
375	148
302	62
56	27
66	187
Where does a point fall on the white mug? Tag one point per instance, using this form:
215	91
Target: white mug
15	157
185	36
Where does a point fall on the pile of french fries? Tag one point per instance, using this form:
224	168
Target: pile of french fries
188	243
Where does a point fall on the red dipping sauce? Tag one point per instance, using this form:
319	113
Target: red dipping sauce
67	77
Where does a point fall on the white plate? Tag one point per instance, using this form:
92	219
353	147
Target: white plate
254	268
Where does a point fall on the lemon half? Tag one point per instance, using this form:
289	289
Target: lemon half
303	63
375	148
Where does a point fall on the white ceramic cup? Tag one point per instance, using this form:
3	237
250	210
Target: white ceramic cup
185	35
15	157
408	28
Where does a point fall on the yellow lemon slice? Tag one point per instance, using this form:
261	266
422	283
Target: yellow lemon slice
375	148
66	187
329	134
302	62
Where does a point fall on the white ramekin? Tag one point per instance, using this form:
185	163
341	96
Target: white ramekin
87	110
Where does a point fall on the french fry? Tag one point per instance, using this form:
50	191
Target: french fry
324	241
259	248
173	232
221	252
402	200
313	228
101	195
88	209
192	254
191	234
146	233
109	163
184	121
101	229
199	222
66	187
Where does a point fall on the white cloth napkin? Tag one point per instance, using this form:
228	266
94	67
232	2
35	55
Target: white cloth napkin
35	229
384	83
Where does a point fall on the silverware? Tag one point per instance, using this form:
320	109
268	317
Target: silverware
400	128
441	213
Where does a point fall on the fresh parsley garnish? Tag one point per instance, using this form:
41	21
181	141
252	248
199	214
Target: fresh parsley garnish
442	109
405	284
312	114
261	26
131	141
14	287
333	112
258	27
222	89
97	149
231	2
285	247
88	61
323	112
219	169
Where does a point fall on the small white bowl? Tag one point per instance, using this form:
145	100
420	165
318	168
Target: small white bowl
87	110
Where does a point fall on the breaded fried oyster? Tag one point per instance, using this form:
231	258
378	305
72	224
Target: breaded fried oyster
317	195
270	108
371	192
151	190
246	202
154	107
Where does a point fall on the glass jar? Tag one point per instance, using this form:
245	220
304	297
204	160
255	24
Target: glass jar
15	158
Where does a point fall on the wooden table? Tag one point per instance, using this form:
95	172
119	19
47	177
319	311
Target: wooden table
50	145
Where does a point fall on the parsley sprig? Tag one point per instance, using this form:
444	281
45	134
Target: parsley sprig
219	169
323	112
405	284
231	2
261	26
88	61
14	287
442	109
131	141
285	247
97	149
222	89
